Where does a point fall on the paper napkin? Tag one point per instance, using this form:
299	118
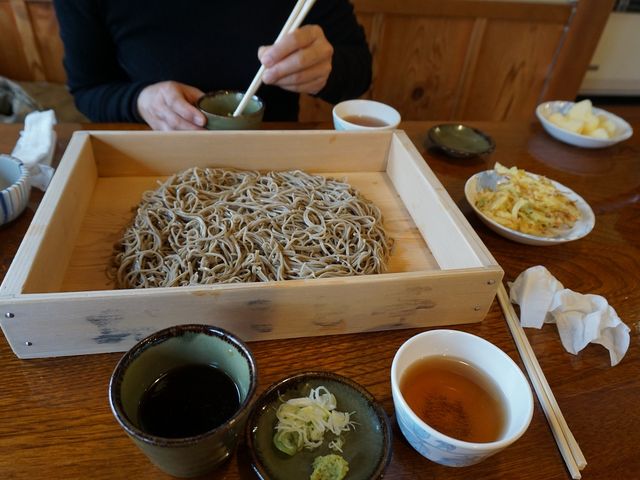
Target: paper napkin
580	319
36	146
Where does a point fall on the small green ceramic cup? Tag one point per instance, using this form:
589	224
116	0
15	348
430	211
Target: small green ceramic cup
219	106
166	350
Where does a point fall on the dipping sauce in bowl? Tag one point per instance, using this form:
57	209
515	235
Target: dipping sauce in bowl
188	400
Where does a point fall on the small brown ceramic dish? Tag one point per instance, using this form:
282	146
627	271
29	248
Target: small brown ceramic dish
367	448
460	141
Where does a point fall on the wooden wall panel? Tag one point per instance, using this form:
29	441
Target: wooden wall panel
514	10
49	44
432	59
13	63
30	49
513	64
420	64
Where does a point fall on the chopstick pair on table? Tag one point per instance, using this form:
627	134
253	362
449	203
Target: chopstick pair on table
567	444
298	14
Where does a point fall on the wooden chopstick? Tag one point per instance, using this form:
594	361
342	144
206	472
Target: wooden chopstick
567	444
298	14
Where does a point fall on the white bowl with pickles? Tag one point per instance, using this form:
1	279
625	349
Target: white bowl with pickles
582	125
528	208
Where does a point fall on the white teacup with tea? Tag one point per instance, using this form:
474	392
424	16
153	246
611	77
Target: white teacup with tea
364	115
458	398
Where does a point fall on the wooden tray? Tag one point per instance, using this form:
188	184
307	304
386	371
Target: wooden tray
56	298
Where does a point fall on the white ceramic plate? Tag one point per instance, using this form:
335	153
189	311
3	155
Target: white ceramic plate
488	179
544	110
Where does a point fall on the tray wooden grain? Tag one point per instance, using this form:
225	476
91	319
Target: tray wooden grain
57	299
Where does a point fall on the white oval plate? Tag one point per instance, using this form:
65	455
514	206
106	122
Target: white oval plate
488	179
545	110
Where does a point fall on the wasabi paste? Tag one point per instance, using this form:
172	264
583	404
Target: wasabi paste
329	467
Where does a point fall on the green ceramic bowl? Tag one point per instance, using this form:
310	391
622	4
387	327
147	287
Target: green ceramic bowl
219	106
161	352
461	141
367	448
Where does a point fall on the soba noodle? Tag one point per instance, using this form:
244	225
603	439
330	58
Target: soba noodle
206	226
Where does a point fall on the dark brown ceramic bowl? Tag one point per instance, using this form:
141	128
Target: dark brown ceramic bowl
367	448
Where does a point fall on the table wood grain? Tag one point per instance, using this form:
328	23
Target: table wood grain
55	420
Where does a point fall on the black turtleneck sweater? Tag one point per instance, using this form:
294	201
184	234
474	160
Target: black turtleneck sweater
114	48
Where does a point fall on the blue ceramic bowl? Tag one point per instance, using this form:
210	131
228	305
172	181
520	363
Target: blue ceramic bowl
497	365
14	188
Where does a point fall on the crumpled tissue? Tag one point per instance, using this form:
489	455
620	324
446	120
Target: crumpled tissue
581	319
36	146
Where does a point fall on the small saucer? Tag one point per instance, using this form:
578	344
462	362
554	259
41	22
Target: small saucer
461	141
367	448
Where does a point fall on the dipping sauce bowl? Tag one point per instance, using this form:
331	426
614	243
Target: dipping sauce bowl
218	108
171	352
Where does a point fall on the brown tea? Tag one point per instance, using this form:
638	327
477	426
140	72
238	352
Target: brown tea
455	398
365	121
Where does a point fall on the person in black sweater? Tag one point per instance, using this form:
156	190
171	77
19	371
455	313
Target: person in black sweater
150	60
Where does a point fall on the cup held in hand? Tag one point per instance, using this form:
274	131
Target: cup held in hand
218	108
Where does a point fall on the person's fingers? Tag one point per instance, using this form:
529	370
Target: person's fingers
312	87
177	100
191	94
170	118
168	106
307	55
299	39
317	72
262	52
161	126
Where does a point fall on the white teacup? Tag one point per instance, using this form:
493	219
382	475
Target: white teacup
364	115
497	365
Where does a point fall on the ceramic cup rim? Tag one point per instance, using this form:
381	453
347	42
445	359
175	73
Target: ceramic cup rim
359	102
156	338
216	93
22	177
15	196
476	447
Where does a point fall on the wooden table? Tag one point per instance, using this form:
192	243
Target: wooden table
55	420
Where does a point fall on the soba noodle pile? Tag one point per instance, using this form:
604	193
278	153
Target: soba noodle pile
206	226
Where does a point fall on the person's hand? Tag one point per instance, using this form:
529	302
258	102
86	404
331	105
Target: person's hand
170	106
299	62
